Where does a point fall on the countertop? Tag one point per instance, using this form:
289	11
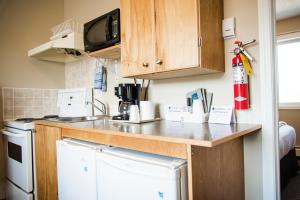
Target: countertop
206	135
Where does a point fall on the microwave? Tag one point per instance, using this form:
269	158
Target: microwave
102	32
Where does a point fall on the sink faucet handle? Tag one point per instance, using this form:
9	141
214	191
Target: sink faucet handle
104	111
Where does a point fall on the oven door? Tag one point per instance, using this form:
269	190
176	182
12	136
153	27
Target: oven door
15	193
18	153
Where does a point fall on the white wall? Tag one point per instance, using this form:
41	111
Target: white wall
172	91
80	74
24	25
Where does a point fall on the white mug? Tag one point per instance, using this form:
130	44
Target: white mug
147	111
134	113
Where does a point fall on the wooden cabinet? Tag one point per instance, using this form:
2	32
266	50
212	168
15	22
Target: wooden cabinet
45	158
138	37
176	34
215	167
171	38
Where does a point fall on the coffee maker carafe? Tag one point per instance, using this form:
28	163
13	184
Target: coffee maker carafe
129	94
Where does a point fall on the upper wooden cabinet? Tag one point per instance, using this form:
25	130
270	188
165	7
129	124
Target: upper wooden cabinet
171	38
137	36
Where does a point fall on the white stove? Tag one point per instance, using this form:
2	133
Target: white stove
22	125
26	123
18	149
19	158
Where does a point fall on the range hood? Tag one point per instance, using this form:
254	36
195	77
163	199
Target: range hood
66	49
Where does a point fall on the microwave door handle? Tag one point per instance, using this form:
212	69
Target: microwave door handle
19	135
107	28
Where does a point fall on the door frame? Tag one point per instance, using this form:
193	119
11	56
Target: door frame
269	99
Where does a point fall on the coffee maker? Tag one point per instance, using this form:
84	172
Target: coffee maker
129	94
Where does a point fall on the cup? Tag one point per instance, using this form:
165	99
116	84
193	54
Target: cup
134	113
147	111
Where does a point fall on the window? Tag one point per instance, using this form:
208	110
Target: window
289	72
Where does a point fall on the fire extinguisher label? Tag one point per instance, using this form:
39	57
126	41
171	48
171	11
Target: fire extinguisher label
240	98
239	74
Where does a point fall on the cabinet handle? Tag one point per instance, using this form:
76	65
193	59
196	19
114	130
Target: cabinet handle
145	64
159	61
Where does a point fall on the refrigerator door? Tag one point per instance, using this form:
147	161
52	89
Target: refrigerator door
76	168
135	179
15	193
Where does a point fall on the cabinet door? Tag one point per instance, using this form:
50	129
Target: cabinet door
176	34
45	161
137	37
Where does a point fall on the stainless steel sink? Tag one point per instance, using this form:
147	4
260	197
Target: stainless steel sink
78	119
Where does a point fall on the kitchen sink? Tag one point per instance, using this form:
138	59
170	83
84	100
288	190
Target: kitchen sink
78	119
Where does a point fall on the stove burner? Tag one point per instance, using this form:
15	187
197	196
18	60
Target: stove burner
29	120
50	116
25	120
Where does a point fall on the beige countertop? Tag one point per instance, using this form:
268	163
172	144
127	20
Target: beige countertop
206	135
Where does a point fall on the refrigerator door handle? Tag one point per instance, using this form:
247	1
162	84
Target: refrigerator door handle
133	168
81	145
74	147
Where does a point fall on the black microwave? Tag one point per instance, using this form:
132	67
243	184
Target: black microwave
102	32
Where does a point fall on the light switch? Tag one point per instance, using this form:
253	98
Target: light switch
228	26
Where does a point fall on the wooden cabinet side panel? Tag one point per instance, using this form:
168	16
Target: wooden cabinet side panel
45	161
177	34
137	37
52	134
212	54
190	172
40	160
218	172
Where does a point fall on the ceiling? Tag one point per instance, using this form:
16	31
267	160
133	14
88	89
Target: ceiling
284	8
287	8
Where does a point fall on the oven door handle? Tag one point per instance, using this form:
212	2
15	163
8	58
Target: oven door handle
19	135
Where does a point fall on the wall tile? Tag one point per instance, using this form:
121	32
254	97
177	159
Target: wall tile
28	93
8	92
38	93
28	102
53	93
19	102
19	112
8	111
38	111
8	102
38	101
28	112
46	93
19	93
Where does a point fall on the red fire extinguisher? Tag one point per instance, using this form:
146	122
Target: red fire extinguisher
241	87
241	70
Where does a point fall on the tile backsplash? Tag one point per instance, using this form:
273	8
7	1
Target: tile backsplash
80	74
28	102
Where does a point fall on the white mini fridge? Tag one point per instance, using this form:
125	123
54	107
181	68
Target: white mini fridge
130	175
76	169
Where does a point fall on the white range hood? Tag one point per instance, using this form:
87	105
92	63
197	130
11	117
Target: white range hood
66	49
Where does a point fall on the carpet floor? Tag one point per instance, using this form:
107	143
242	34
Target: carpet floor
292	190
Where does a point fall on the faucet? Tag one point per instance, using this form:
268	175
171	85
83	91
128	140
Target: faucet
103	109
